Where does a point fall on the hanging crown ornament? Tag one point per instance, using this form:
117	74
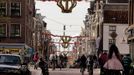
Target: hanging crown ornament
65	40
66	5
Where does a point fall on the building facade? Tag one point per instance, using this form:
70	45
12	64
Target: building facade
103	18
16	24
93	27
39	28
130	29
115	20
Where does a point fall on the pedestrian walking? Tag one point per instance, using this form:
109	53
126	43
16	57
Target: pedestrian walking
61	61
65	60
44	66
82	61
53	62
96	63
35	59
90	64
113	66
102	60
126	61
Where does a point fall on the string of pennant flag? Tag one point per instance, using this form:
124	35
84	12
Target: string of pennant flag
49	34
55	0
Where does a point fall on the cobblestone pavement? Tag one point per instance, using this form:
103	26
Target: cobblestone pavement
65	71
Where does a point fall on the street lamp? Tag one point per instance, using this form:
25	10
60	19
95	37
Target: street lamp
46	49
113	35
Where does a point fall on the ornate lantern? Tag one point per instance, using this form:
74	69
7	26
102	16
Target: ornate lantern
66	5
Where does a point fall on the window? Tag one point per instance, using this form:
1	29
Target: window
112	29
3	9
15	9
2	30
15	30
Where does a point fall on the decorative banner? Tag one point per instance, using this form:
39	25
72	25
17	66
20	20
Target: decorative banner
66	39
55	0
48	34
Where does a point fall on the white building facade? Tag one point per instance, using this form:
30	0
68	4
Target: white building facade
121	39
115	20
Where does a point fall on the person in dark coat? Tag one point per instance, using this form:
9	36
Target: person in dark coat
61	59
126	61
83	60
44	66
90	64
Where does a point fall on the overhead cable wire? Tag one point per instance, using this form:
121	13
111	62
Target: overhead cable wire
55	21
59	22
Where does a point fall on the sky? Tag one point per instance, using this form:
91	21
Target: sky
55	19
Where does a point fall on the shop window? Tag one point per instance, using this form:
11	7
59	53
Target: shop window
15	9
3	30
3	9
15	30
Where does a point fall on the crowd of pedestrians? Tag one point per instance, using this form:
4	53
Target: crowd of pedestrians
55	61
110	63
87	62
59	61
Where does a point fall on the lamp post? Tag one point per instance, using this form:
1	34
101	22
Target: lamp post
113	35
46	49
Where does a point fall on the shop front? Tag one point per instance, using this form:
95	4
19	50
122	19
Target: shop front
13	48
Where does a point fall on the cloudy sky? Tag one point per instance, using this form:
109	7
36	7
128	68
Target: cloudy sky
56	19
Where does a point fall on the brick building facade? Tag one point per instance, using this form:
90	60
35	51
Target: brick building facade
16	24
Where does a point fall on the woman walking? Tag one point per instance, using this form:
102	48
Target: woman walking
113	66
